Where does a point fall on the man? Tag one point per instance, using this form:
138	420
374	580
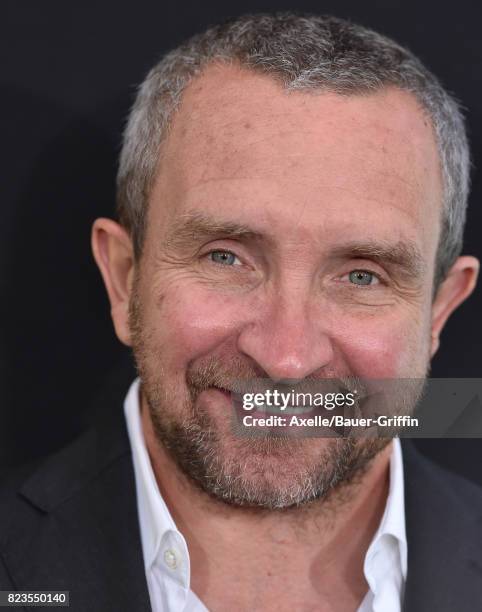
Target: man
292	196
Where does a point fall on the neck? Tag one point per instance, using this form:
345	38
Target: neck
319	548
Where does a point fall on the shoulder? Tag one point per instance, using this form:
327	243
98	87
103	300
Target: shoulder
70	522
443	517
424	479
30	491
61	473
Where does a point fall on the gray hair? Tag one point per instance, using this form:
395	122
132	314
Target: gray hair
302	52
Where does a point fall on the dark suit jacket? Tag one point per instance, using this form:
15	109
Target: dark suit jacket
71	524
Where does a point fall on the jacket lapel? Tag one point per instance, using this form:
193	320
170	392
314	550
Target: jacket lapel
75	525
444	538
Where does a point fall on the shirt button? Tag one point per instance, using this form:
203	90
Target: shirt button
170	559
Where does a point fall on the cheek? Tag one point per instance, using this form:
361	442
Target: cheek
385	347
188	323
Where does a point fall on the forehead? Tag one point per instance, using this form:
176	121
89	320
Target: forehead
240	140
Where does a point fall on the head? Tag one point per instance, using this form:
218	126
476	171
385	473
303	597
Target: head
292	196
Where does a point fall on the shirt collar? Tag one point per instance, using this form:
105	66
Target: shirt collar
385	565
393	519
154	517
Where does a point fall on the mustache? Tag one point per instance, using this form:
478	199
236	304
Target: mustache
238	376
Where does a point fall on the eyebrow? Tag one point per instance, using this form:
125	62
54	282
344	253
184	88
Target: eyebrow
402	255
198	226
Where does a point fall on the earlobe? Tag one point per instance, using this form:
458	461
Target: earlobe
113	253
455	289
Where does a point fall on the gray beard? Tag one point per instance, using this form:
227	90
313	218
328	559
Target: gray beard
250	480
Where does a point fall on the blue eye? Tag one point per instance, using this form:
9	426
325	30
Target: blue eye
225	258
362	277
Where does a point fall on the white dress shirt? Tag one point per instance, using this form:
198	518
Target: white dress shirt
166	557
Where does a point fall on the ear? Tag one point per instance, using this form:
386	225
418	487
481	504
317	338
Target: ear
458	285
113	253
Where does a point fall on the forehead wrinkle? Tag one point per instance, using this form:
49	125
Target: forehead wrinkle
242	174
238	159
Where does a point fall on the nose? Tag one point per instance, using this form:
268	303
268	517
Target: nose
287	339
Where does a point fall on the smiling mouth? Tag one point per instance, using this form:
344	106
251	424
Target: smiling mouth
237	391
236	400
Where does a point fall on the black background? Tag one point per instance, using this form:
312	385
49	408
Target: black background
68	77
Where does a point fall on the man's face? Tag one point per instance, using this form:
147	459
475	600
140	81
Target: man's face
266	207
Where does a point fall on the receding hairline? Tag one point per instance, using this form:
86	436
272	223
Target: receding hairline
306	52
211	69
192	93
